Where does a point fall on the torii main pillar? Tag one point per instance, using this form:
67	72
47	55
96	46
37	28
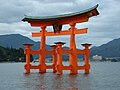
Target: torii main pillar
42	65
73	57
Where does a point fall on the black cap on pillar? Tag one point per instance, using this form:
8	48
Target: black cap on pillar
86	44
60	43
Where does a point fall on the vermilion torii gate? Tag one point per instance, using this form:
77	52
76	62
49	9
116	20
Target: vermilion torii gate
57	22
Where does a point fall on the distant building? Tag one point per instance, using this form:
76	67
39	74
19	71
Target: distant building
113	59
97	58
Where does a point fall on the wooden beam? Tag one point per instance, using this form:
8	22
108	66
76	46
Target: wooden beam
49	52
66	68
80	67
35	52
80	51
49	66
65	32
80	31
67	51
34	67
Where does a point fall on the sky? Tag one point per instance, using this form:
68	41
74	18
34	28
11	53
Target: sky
101	29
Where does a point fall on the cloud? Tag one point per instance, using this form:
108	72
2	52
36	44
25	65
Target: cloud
14	10
101	29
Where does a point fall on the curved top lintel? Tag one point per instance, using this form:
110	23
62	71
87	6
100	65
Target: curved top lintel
63	18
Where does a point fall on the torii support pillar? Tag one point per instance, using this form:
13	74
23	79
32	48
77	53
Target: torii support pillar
54	57
27	52
86	57
59	57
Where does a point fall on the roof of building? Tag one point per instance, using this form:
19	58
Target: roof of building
57	17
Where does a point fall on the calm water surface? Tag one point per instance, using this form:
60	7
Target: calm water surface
103	76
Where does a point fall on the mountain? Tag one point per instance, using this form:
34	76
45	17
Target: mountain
110	49
17	41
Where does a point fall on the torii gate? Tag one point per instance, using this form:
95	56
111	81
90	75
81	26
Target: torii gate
57	22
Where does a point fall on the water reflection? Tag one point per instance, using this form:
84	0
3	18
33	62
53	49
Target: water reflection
72	82
50	81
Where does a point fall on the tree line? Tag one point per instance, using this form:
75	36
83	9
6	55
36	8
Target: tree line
12	55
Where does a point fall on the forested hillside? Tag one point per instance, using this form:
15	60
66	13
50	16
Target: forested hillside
12	55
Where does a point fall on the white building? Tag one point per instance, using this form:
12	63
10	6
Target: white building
97	58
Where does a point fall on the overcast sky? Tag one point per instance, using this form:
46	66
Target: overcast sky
101	29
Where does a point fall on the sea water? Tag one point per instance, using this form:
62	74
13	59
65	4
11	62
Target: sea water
103	76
